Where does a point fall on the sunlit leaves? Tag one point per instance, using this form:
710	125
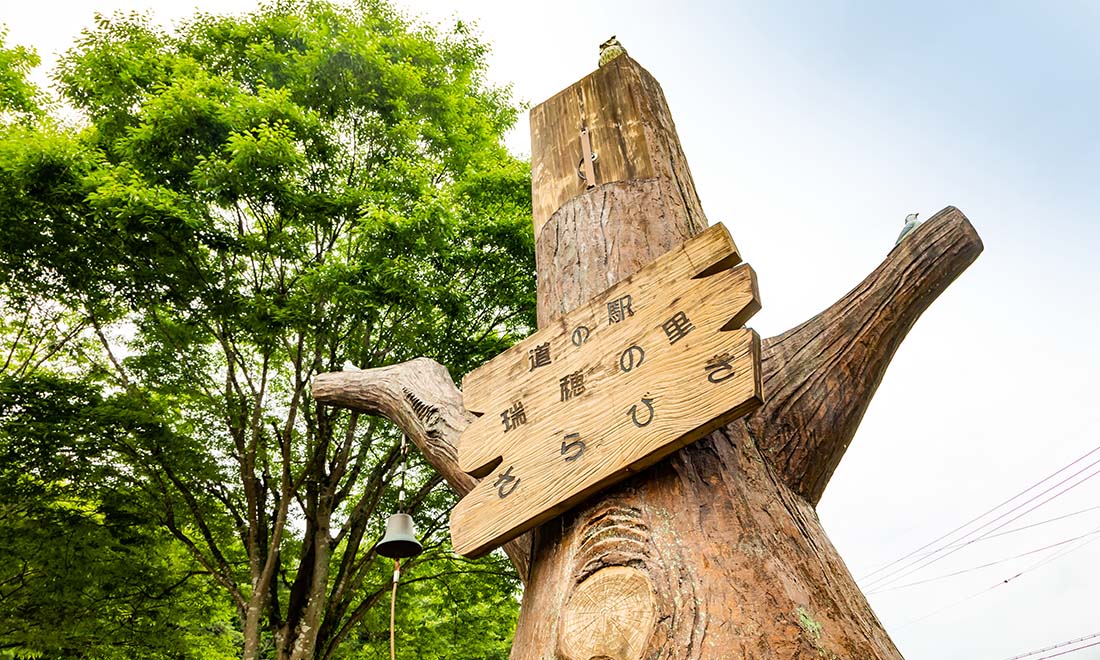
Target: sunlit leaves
251	201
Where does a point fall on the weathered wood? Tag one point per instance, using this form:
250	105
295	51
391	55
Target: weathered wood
665	346
737	560
734	556
494	383
822	374
632	133
722	534
420	397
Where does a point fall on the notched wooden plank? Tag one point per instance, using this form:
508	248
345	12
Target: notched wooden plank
663	362
484	389
670	405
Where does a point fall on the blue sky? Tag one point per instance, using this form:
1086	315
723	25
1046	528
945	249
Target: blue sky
812	129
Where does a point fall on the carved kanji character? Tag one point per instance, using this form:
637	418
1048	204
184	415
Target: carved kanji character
504	479
631	358
577	445
539	355
514	416
619	309
580	335
572	385
677	327
718	368
648	403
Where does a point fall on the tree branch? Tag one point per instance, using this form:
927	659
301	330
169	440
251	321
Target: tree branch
420	398
820	376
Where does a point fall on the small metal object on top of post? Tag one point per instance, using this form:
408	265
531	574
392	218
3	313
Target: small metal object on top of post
587	169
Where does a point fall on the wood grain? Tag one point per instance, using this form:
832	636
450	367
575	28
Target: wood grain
627	119
646	392
821	376
420	397
724	530
730	545
493	385
610	615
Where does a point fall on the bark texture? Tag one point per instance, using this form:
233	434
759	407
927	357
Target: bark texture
643	183
715	552
622	222
724	530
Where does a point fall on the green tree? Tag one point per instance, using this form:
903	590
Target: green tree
19	98
84	571
251	201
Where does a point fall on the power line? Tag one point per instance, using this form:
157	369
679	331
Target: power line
917	564
1054	556
974	595
1071	650
1016	529
887	577
987	565
979	517
1055	646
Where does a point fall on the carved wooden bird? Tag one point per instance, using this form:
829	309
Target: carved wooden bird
610	49
911	223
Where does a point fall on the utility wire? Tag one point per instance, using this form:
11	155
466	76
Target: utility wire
979	517
1071	650
918	563
1015	529
934	612
1056	555
986	565
974	595
1055	646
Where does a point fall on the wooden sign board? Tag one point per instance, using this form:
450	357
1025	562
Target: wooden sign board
654	363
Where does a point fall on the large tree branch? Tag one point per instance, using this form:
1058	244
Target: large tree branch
820	376
420	397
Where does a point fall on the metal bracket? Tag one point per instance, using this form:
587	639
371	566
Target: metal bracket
585	168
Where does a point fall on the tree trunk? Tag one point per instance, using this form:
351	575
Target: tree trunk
716	551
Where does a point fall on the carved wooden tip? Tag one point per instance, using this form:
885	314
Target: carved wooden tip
949	230
820	376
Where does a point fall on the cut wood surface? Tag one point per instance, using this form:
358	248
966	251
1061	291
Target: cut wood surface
728	545
621	430
724	529
608	616
420	397
661	363
622	111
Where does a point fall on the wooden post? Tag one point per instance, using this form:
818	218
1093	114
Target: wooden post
715	552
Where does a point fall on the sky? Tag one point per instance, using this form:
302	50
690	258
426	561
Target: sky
812	129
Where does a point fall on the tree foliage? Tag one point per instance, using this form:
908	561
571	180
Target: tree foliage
84	570
250	201
19	98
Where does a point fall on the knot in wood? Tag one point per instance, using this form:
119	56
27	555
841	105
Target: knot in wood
426	413
611	535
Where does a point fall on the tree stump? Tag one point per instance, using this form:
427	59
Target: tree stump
716	551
